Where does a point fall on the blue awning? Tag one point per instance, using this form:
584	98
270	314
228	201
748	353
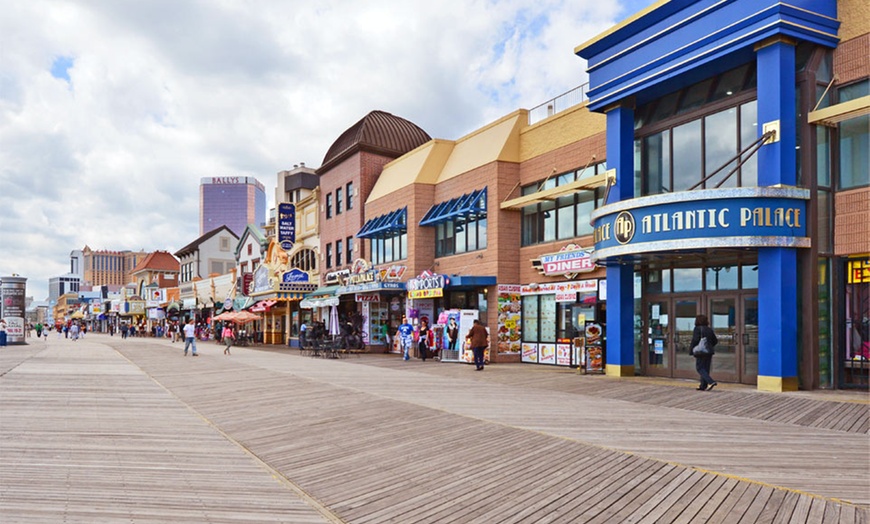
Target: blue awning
469	205
385	225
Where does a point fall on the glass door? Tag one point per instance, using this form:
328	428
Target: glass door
723	320
659	338
749	338
670	322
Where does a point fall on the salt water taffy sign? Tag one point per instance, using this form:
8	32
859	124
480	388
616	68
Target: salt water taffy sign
748	217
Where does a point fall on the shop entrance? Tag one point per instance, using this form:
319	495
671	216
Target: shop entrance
669	321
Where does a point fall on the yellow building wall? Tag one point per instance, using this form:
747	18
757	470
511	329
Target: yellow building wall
568	127
854	18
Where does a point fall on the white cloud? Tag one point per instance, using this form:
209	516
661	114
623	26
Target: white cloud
164	92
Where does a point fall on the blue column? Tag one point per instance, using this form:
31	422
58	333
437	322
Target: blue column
777	267
620	278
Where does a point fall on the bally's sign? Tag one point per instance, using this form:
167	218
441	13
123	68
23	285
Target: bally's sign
710	218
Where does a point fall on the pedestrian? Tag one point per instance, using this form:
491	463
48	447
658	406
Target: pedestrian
2	332
74	332
423	335
303	334
477	338
703	361
45	332
39	330
227	336
190	337
406	337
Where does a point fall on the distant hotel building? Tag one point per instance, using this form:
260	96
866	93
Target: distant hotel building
232	201
105	268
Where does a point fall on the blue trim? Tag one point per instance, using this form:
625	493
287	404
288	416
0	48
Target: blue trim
465	206
384	225
470	281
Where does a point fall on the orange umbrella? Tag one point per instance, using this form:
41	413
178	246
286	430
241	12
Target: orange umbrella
226	315
245	316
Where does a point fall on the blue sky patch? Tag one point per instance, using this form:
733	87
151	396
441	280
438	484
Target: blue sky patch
60	67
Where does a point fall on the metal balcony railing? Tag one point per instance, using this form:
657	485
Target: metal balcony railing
560	103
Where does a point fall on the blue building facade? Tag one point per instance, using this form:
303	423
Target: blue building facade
234	202
716	206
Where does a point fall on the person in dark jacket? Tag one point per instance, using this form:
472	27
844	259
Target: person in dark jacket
703	362
477	337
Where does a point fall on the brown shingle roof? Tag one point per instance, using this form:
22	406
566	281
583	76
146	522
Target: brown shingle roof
158	261
379	132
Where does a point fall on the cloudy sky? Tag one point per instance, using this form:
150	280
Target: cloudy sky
112	110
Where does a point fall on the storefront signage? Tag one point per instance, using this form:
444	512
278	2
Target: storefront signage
393	273
261	280
561	288
569	261
710	218
334	277
286	225
858	271
295	275
367	298
361	278
427	285
371	286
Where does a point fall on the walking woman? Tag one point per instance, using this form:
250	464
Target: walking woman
704	359
227	335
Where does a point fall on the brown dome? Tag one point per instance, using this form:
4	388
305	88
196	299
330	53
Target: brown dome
378	132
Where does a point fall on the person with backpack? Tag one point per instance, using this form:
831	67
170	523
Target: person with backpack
703	342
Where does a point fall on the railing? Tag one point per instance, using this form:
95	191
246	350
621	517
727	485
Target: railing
562	102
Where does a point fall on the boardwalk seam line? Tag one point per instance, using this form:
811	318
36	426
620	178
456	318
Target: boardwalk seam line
312	501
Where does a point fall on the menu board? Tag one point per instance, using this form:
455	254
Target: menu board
594	348
509	319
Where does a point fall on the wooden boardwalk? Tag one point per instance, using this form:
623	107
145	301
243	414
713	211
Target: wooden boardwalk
110	430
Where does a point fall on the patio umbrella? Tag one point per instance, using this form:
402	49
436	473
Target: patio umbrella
333	321
226	315
245	316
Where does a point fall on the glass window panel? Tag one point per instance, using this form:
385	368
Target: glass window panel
666	107
329	205
853	91
687	155
481	233
585	207
720	146
638	168
719	278
339	252
548	311
349	196
748	135
530	225
565	217
695	96
530	318
565	178
687	279
749	276
730	83
548	215
339	201
461	246
658	281
388	249
825	234
658	163
403	245
823	156
854	153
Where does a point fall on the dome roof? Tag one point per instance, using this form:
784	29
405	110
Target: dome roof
378	132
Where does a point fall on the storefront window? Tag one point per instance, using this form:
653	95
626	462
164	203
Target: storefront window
720	147
748	135
564	218
825	353
856	366
721	278
854	153
687	279
749	277
548	318
658	163
824	236
687	155
530	318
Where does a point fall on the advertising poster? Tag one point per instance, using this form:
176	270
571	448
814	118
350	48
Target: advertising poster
530	352
594	348
547	354
563	354
509	318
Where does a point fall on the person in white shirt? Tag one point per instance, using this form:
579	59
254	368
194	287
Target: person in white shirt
190	337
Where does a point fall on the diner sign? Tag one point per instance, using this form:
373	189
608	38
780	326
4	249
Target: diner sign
708	218
568	262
